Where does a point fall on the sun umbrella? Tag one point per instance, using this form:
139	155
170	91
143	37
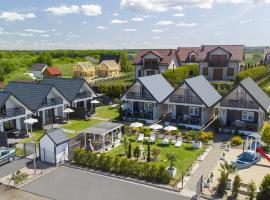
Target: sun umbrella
156	127
68	110
170	128
30	121
95	102
136	125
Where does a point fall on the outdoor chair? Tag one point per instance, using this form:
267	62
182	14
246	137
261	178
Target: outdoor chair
141	137
165	140
178	142
152	138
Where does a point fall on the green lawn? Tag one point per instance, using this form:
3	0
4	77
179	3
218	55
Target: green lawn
186	155
78	125
66	69
35	136
107	112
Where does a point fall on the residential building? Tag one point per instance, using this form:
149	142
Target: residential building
143	100
37	69
78	93
44	100
191	103
243	109
52	72
187	55
154	61
221	62
266	57
12	113
84	70
108	68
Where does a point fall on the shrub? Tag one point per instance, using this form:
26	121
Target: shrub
145	130
265	133
191	135
206	136
156	153
129	154
175	132
236	141
236	186
251	190
171	158
136	152
264	192
222	184
255	73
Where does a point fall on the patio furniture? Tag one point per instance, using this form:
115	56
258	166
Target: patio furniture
141	137
152	138
178	142
165	140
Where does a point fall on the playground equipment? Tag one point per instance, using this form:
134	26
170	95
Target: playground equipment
263	154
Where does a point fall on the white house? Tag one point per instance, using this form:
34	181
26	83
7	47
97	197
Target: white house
191	103
37	69
53	147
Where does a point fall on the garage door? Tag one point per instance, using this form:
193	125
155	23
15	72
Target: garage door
217	74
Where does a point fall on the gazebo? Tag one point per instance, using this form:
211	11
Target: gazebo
102	136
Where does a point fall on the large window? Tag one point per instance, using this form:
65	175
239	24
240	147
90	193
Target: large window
148	106
247	116
205	71
192	58
230	72
218	61
194	111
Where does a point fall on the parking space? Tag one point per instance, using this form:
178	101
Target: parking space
66	183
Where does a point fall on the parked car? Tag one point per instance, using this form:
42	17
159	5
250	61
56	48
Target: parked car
6	155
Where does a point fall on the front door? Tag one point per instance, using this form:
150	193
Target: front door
218	74
136	106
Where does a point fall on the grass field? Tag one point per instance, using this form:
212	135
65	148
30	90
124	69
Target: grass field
78	125
254	57
66	69
107	112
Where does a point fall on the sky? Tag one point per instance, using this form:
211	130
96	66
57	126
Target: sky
132	24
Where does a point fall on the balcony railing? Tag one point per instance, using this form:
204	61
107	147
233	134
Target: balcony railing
84	95
148	115
239	104
139	96
52	102
218	64
12	112
184	99
150	66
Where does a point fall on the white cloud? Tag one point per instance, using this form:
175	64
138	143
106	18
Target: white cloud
102	28
115	14
15	16
118	21
64	10
179	15
34	30
164	23
130	30
137	19
24	34
84	22
178	8
156	37
53	30
217	34
184	24
45	35
246	21
158	30
91	10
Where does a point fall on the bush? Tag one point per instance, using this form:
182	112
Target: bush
191	135
175	132
236	141
255	73
145	130
206	136
236	186
264	192
265	133
251	190
222	184
124	166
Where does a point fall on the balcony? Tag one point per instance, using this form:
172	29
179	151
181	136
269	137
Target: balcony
12	112
139	96
239	104
145	115
151	66
184	99
52	102
84	95
218	64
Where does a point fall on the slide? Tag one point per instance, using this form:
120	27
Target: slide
260	151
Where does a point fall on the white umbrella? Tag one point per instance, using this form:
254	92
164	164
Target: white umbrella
95	102
156	126
136	125
170	128
30	121
68	110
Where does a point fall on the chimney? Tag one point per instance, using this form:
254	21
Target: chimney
203	47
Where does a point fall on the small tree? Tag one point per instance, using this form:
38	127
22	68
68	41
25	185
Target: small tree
129	154
171	158
251	189
236	186
136	152
155	153
222	184
148	152
264	192
265	133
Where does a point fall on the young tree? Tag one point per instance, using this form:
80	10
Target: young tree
148	152
264	192
155	153
45	58
265	133
172	157
222	184
136	152
236	186
129	154
251	189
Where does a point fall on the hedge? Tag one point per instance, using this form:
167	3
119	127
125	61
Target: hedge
255	73
123	166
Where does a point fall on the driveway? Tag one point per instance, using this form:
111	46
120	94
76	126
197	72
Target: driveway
66	183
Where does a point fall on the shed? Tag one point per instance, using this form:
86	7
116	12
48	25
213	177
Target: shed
84	70
53	146
52	72
37	69
108	68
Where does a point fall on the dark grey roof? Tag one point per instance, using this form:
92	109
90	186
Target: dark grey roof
104	57
204	90
157	85
3	97
58	136
38	66
68	87
103	128
256	93
30	94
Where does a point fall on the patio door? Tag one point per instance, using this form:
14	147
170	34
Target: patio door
136	106
217	74
49	116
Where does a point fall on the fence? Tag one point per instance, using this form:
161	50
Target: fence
75	142
109	79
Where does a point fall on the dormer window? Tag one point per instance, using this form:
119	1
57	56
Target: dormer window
193	58
218	61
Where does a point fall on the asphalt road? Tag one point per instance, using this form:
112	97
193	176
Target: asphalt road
68	184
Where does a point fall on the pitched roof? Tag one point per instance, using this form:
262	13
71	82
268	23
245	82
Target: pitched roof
157	85
86	66
110	64
166	55
103	57
183	52
204	90
30	94
53	71
256	93
38	66
237	51
57	136
68	87
3	97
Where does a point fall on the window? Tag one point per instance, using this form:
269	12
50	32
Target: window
193	58
139	73
230	72
148	106
194	111
205	71
247	116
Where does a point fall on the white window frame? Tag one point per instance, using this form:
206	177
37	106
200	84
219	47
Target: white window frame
248	116
148	106
194	111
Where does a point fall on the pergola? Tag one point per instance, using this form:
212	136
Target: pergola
102	135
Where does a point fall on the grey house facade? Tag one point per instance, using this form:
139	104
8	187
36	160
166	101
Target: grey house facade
243	110
191	103
143	100
45	101
37	69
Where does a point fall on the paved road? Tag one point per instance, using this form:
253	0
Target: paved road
66	183
13	166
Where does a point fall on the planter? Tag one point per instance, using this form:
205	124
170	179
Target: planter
229	184
172	171
197	145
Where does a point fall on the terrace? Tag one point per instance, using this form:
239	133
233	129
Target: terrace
239	104
11	112
52	102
